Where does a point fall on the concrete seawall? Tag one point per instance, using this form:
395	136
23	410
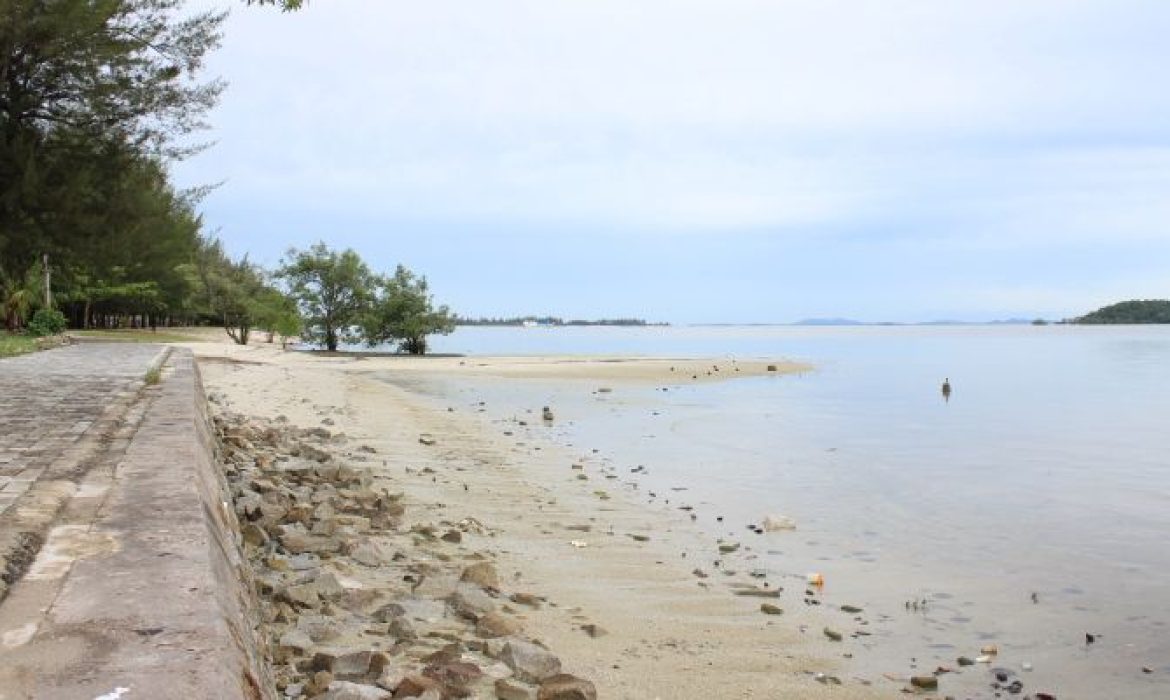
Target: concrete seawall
140	590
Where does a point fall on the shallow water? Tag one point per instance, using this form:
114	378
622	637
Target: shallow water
1047	472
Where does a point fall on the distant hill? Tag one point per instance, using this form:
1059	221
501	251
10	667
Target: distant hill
1135	311
829	322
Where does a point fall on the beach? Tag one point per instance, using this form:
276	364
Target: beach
993	528
626	610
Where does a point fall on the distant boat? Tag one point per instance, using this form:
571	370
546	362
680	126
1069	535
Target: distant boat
529	323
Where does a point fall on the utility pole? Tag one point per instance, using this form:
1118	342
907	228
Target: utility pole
48	288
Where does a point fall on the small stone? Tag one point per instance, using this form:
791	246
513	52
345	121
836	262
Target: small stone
965	661
452	536
354	664
254	535
319	683
851	609
458	674
530	662
924	682
769	609
564	686
511	689
495	624
469	601
482	574
528	599
833	634
594	631
776	523
415	685
343	690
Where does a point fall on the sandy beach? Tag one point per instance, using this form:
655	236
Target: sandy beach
636	601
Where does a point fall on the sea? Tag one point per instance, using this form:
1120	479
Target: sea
1029	510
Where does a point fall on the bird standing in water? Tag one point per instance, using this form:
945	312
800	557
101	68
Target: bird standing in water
946	389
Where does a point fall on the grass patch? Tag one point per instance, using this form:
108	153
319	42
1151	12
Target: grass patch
12	345
153	376
138	336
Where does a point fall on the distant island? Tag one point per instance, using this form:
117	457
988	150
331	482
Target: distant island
552	321
1134	311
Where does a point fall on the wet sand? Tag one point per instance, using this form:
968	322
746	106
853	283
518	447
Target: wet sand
569	535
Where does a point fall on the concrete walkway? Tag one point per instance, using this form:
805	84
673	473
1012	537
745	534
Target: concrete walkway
52	404
120	564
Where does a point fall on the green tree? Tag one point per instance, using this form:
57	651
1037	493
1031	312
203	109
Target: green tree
239	294
86	87
333	292
404	312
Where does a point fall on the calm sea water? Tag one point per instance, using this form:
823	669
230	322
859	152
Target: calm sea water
1047	472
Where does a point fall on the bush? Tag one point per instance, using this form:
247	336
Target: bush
46	322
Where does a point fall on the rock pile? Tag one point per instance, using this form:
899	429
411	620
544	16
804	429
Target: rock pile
358	603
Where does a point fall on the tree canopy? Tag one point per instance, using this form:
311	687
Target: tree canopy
403	312
1134	311
95	98
333	291
341	300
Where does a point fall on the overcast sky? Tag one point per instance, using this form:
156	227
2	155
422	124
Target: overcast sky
708	161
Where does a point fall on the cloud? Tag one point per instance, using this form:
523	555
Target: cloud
903	128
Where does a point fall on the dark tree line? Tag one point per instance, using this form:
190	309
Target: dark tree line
97	99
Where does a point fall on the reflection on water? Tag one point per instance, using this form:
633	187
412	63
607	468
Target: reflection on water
1029	507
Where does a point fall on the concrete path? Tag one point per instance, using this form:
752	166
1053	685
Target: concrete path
52	404
119	564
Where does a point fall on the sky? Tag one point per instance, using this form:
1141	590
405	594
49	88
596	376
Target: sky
691	162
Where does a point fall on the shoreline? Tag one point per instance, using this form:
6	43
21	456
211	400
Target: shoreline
666	633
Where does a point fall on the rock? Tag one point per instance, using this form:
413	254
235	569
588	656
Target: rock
354	664
776	523
469	601
391	677
851	609
402	629
292	644
426	439
415	685
594	631
924	682
833	634
369	553
452	536
319	627
530	662
769	609
758	592
254	535
511	689
495	624
772	368
482	574
528	599
304	595
343	690
319	683
566	687
458	674
328	586
965	661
